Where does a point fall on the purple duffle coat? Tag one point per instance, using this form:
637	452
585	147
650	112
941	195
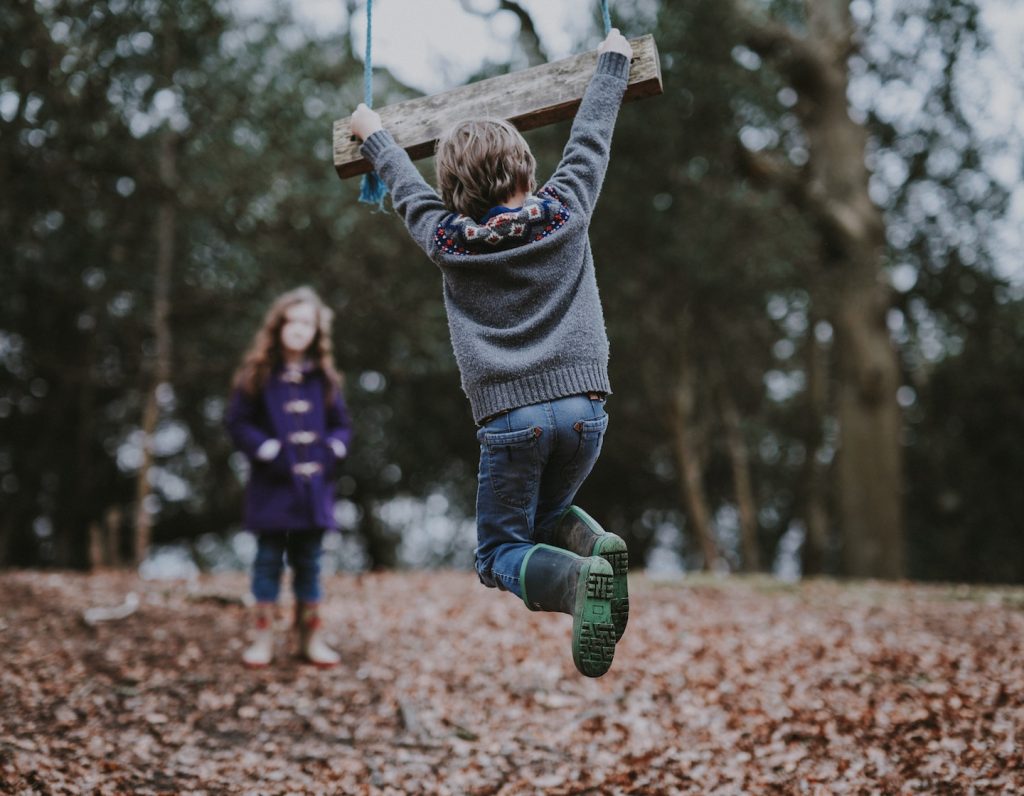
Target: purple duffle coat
296	410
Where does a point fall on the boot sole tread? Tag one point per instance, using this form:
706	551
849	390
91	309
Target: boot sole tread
594	632
613	550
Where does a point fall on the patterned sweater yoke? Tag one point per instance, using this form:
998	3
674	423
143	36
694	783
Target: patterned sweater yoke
520	289
540	216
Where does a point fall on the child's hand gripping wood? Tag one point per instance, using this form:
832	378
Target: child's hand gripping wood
366	122
615	42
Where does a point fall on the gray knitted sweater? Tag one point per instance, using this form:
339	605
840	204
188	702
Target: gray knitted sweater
520	291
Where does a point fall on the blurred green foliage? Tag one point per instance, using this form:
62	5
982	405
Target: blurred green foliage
699	270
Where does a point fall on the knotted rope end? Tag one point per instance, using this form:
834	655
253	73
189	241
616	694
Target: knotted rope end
373	190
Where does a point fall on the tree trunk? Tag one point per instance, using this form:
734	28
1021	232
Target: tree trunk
381	544
105	540
6	534
686	441
165	232
78	518
833	190
814	506
746	502
870	463
97	554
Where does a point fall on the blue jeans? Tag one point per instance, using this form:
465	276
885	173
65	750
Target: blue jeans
533	460
303	549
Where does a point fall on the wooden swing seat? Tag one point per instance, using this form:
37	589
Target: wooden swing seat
529	98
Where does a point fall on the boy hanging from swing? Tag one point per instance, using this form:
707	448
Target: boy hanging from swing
529	337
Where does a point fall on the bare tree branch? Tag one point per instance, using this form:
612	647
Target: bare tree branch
838	223
829	21
772	171
802	63
805	63
529	41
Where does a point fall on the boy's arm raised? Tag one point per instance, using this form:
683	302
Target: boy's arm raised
414	200
585	158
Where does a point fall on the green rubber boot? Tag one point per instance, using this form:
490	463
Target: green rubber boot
579	532
558	580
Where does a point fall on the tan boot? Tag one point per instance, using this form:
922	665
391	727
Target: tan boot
312	646
261	653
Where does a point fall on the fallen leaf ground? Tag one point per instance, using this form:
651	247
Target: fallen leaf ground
718	687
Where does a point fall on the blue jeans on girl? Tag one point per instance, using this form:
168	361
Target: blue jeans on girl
303	550
533	460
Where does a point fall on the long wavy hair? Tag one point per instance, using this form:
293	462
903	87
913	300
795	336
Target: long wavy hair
265	352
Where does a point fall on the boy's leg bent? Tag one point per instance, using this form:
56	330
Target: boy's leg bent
581	423
304	551
514	448
266	569
581	430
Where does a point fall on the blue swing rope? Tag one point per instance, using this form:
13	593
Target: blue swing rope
372	190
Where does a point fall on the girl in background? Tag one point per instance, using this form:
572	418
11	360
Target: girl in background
288	416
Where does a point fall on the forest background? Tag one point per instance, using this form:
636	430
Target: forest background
808	249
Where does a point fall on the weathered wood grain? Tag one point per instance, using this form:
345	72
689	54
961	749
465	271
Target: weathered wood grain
529	98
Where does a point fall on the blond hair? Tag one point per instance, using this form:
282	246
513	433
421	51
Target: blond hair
265	351
481	163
